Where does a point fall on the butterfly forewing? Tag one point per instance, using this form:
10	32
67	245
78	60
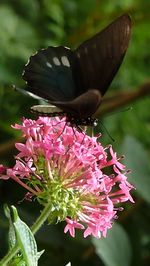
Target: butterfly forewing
49	74
100	57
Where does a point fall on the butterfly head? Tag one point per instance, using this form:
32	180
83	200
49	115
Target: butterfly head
89	121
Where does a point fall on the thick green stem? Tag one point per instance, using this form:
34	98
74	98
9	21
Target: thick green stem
35	227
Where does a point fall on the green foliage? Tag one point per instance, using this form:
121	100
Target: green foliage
26	26
21	237
115	248
135	157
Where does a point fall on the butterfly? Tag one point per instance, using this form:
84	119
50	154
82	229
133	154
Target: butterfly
74	81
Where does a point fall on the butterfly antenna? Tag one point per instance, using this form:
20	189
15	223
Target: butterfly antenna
112	113
107	131
120	111
126	109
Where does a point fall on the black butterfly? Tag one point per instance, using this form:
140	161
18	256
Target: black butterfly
75	81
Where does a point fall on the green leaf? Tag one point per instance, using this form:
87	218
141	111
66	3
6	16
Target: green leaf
11	234
115	249
136	159
26	241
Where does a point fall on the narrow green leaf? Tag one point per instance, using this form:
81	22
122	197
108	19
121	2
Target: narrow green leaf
136	159
11	233
115	249
26	241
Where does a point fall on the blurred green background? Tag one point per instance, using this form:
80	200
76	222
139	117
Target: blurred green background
27	25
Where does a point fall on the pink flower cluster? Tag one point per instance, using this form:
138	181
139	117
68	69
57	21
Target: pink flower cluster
73	171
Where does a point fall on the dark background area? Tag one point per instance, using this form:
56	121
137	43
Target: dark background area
26	26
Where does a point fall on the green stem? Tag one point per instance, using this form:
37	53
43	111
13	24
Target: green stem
35	227
42	218
9	256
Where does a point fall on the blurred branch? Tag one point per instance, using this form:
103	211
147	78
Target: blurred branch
109	104
7	149
122	99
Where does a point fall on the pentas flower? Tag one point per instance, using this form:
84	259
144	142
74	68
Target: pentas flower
82	180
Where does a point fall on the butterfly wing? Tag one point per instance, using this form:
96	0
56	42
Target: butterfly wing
49	74
100	57
95	65
76	81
